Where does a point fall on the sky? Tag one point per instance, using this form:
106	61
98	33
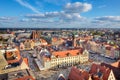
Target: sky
59	14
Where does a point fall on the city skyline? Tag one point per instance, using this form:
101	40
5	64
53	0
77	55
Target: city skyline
59	13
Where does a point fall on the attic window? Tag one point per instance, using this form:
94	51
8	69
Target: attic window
78	53
68	54
57	56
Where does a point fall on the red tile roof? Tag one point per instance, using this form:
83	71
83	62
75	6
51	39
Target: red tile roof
70	52
106	74
116	70
10	54
95	69
76	74
26	60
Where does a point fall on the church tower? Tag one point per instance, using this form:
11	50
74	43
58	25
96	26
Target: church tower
35	34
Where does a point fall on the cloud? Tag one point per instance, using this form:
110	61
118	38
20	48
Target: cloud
108	18
97	21
70	12
27	5
24	20
77	7
71	17
68	17
59	16
6	18
35	16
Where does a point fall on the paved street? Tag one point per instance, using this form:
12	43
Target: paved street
98	58
28	54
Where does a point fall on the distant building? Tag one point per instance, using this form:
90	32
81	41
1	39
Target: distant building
104	49
22	47
57	41
35	35
29	44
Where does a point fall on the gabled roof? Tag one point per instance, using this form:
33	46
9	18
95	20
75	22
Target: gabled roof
116	64
76	74
100	72
26	61
116	70
61	77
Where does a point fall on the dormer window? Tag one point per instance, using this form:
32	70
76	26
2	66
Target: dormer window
68	54
78	53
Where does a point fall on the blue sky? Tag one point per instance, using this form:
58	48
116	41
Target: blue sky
60	13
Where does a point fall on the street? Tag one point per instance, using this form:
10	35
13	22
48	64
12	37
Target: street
98	58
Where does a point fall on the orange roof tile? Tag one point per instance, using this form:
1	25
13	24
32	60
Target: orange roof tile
106	74
46	58
115	70
9	54
25	60
98	68
43	41
76	74
70	52
54	39
94	68
116	64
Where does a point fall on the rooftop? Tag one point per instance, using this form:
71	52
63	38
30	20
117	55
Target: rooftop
67	52
114	67
20	75
78	74
12	56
